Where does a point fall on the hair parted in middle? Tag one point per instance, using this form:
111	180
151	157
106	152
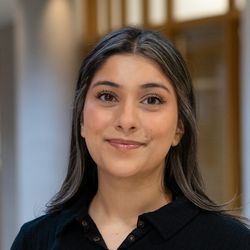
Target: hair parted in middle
181	173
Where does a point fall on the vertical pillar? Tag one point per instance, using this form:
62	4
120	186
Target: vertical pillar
245	104
7	137
45	52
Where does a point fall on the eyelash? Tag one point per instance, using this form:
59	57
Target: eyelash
104	93
159	98
114	98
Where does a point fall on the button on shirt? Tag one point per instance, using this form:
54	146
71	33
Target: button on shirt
92	233
178	225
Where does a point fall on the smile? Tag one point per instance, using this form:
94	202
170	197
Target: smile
125	144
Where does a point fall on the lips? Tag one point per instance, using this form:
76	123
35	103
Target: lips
125	144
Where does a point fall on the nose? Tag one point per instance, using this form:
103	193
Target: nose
127	118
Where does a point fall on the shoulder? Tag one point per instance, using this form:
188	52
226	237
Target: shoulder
220	222
38	230
222	229
42	222
44	231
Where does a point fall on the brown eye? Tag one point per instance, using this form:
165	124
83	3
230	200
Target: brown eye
152	100
107	96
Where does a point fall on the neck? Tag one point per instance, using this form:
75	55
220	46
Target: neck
125	199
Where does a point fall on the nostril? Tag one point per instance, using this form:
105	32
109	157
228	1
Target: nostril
126	129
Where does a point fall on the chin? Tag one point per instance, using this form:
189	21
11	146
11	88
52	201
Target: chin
122	171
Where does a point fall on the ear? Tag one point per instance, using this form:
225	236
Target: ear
178	133
82	127
82	130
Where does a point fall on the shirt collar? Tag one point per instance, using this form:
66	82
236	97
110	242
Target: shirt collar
167	220
77	211
172	217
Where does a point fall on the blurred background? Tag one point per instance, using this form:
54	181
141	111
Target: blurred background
42	43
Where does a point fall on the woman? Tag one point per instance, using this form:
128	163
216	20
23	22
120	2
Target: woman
133	180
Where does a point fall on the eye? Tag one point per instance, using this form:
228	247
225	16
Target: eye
153	100
107	96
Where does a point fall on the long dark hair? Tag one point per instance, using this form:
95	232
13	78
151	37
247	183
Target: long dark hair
182	175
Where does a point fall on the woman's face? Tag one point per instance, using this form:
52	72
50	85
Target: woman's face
130	117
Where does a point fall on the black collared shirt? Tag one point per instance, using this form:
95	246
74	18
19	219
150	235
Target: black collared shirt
178	225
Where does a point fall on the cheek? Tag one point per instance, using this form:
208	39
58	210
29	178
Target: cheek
162	127
94	118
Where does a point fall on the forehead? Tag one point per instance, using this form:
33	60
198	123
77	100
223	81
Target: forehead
130	68
131	60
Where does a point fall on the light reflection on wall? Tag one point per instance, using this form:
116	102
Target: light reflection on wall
184	10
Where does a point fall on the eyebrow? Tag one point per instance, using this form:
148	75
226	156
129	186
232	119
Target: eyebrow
155	85
106	83
143	86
